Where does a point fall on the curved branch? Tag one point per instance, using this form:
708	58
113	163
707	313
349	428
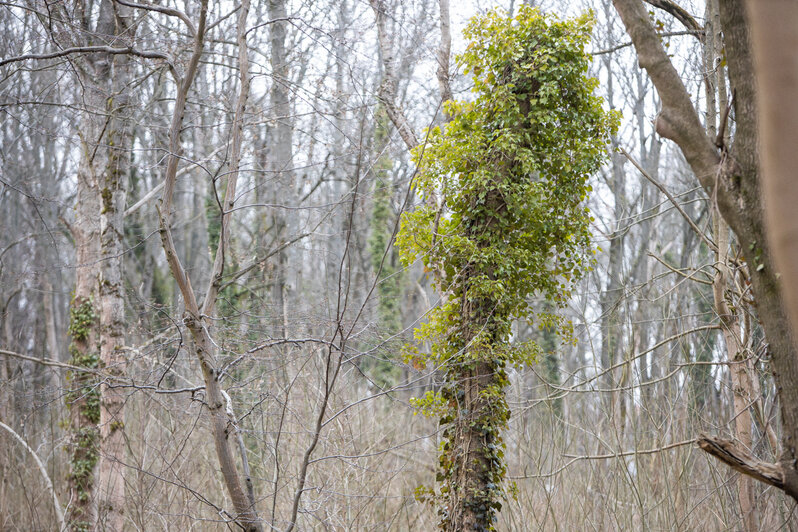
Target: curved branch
670	197
678	120
389	85
621	46
680	14
217	273
164	10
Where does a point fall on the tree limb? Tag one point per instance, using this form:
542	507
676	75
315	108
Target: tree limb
389	85
678	119
444	51
164	10
741	460
680	14
146	54
670	197
627	44
215	280
47	362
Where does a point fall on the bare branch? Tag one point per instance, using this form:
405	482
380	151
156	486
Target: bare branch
634	452
575	459
388	88
59	512
741	460
444	52
164	10
678	119
47	362
147	54
680	14
673	201
215	280
628	44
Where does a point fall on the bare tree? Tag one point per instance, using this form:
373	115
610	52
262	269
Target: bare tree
730	175
198	318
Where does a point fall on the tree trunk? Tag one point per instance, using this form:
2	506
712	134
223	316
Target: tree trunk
114	183
96	311
736	354
280	162
774	39
199	319
729	175
83	396
473	468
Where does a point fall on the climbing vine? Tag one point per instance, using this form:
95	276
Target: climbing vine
512	170
384	258
83	399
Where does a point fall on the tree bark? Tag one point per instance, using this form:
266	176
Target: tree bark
775	39
736	354
114	183
280	160
472	469
390	83
97	307
730	176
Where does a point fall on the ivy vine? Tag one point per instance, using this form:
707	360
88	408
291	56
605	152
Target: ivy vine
512	170
83	395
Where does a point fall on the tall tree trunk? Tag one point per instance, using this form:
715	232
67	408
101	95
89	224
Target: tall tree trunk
736	353
280	159
114	183
774	39
473	468
730	176
96	311
476	387
83	396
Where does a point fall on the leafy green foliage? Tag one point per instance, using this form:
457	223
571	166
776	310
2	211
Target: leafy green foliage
84	395
512	168
81	318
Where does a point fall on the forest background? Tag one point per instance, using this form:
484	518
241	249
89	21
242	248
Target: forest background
267	149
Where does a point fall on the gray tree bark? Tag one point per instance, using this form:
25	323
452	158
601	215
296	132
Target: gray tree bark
97	308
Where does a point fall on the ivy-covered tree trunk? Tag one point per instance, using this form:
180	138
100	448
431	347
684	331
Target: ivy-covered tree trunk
475	455
83	397
97	309
511	168
384	258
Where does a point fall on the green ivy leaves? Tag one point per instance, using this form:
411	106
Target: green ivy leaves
512	167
